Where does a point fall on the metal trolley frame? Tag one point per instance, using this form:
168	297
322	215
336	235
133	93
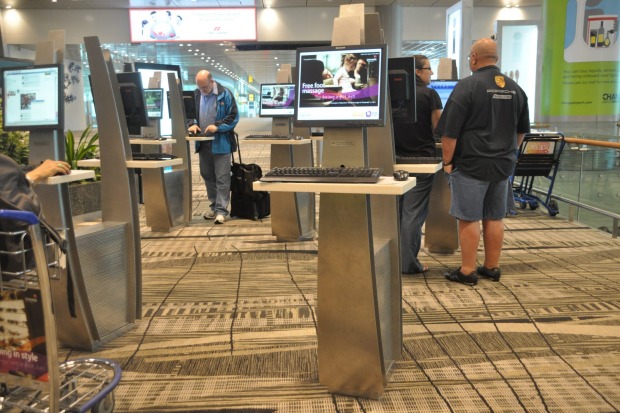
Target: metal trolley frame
32	378
539	155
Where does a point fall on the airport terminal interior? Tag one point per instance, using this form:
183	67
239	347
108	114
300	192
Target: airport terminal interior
230	322
305	309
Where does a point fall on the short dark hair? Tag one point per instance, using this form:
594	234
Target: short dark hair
419	61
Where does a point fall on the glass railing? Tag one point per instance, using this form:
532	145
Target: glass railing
587	183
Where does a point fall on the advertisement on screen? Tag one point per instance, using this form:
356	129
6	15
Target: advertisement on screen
341	86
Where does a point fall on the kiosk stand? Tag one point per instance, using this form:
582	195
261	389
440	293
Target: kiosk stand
293	215
97	298
359	276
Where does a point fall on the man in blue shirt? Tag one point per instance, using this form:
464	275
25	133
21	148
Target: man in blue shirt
481	127
217	116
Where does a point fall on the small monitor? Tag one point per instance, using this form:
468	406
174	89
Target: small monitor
341	86
444	88
189	104
154	70
402	80
277	100
33	98
132	96
154	100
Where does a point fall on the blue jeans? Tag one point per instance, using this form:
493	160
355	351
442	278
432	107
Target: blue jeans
413	212
215	170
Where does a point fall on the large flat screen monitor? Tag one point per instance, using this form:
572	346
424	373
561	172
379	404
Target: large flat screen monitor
33	98
132	95
154	100
341	86
152	70
444	88
277	100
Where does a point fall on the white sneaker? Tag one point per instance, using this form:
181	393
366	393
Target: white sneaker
219	219
209	215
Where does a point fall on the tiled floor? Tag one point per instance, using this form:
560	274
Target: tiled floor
229	323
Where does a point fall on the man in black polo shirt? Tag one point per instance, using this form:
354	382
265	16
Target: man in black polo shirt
481	127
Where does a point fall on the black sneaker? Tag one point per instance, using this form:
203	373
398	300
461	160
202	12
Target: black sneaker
459	277
492	273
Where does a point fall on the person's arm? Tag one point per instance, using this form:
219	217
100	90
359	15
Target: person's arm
520	137
229	122
448	145
47	169
435	115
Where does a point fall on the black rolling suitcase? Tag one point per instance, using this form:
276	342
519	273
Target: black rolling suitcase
244	201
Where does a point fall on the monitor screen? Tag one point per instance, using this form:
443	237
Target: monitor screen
277	99
33	98
189	104
152	70
154	100
132	96
341	86
444	88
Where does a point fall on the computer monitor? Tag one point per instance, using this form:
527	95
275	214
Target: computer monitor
150	70
132	96
444	88
328	95
154	100
277	100
402	80
33	98
189	103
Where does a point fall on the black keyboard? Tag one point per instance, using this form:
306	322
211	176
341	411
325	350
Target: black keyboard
313	174
272	137
138	156
418	159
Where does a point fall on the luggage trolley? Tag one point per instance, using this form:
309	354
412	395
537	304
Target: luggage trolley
539	155
32	380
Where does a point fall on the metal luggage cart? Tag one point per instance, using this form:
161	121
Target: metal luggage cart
538	156
31	377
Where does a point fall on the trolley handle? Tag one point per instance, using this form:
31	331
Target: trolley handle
22	216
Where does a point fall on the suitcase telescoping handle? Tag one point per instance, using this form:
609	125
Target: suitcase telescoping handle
235	136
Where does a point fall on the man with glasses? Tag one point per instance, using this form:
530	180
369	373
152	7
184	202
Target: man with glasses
481	127
417	139
217	116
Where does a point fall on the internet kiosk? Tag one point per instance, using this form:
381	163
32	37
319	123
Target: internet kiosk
359	280
293	215
96	297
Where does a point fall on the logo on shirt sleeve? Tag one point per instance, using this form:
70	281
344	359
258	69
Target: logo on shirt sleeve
500	81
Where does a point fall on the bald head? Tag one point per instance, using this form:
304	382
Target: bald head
204	82
483	53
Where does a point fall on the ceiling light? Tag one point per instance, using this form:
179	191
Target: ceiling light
8	6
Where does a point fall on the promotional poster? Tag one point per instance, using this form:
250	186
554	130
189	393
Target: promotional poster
580	60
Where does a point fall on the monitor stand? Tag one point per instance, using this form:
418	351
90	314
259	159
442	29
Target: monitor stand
293	214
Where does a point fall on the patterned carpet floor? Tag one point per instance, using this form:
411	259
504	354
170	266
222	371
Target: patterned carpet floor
229	324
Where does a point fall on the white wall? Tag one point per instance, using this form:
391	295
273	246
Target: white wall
429	23
291	24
